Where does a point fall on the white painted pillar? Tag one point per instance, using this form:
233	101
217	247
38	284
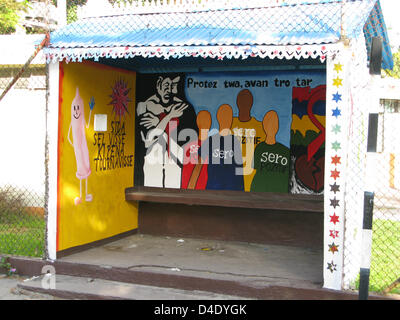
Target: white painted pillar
337	124
52	133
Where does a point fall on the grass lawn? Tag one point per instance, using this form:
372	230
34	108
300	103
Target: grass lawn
385	258
22	235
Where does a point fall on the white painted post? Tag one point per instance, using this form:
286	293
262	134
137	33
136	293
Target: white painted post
52	137
337	119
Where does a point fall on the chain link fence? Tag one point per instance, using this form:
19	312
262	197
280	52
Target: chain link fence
22	193
384	171
22	184
22	222
376	172
23	133
381	176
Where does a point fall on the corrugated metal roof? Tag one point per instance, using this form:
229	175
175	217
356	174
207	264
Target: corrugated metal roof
283	25
279	25
376	27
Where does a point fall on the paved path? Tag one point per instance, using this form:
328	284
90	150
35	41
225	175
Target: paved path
9	290
86	288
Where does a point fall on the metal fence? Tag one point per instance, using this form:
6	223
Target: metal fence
22	204
377	172
22	183
23	134
22	222
383	170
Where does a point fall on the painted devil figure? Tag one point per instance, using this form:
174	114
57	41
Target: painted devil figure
162	116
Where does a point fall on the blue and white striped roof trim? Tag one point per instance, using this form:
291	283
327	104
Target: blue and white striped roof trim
286	31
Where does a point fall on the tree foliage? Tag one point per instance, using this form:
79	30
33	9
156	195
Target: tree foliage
72	6
9	15
395	73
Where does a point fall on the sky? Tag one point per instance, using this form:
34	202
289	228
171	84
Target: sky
390	10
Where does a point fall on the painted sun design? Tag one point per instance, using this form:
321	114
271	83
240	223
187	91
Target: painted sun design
120	98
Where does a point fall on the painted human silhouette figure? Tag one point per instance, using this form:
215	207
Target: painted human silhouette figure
161	117
271	159
79	143
223	155
249	131
195	171
244	101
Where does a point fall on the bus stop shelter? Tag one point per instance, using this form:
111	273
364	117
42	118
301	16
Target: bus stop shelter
136	98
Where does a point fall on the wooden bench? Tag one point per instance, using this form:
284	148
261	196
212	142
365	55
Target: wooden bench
237	199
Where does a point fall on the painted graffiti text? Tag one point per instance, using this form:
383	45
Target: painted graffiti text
111	148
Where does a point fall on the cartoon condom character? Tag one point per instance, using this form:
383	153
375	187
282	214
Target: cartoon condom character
78	127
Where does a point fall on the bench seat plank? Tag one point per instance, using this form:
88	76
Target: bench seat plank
238	199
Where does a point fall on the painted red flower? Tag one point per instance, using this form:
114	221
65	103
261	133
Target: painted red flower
120	98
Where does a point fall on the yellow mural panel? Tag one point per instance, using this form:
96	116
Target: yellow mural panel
96	153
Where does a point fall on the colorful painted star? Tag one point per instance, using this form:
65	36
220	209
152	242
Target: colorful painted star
336	129
331	266
336	160
333	248
337	82
120	98
335	174
337	97
334	219
336	112
336	146
335	188
334	234
334	202
338	67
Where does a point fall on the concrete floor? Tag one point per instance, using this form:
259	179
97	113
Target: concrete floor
160	267
255	264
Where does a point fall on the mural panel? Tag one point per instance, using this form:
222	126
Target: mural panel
96	153
229	130
308	140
